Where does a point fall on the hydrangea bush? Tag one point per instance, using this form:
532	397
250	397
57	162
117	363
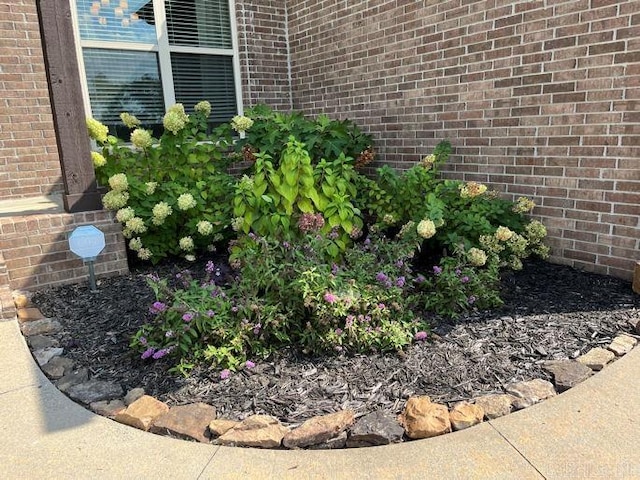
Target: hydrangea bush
171	194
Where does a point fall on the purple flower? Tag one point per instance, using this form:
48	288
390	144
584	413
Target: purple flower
437	270
187	317
381	277
143	340
420	279
458	271
399	264
367	241
224	374
256	328
286	245
419	336
382	306
157	307
330	297
471	300
160	353
210	267
338	331
210	313
249	364
349	321
400	282
147	353
234	309
464	279
333	234
334	269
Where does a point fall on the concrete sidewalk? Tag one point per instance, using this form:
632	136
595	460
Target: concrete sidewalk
592	431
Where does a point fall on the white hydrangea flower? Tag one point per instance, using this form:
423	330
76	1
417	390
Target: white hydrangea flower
119	182
204	227
186	201
125	214
144	254
135	244
186	243
426	228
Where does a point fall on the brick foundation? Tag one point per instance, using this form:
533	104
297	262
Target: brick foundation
36	250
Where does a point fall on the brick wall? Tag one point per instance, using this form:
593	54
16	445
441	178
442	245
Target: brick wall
36	249
29	164
262	41
538	98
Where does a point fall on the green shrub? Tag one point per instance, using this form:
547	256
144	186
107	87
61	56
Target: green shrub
465	215
171	194
273	200
270	132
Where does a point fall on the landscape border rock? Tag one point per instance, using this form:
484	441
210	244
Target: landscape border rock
420	419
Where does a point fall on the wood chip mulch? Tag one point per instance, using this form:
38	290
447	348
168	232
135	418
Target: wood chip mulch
550	312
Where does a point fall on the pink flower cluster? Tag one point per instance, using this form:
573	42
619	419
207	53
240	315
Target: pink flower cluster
310	222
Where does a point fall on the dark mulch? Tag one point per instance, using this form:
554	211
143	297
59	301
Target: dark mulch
550	312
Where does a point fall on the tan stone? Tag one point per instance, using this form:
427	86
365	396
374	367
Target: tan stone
262	431
596	358
221	426
142	412
29	314
319	429
530	393
423	419
21	300
495	406
622	344
464	415
189	421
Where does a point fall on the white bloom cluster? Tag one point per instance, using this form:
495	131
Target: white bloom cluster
204	227
186	243
119	182
186	201
426	228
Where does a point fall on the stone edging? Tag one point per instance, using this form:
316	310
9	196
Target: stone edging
420	419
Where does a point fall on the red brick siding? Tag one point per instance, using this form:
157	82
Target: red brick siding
538	98
262	42
36	249
29	164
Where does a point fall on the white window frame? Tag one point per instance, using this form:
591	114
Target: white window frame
164	50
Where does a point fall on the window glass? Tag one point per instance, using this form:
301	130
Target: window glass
117	20
201	23
124	81
205	77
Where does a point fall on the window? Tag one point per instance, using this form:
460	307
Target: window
142	56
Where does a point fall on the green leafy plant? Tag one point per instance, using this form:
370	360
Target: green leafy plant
270	133
274	199
170	194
